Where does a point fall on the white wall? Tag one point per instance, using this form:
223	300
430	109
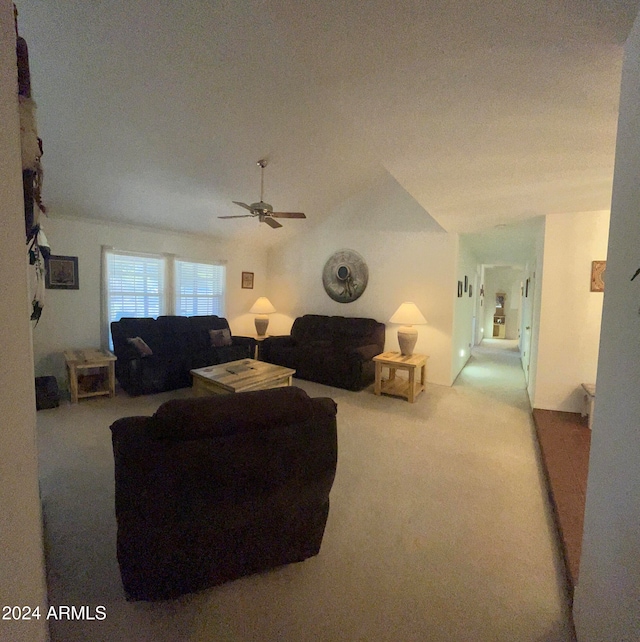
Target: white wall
21	552
504	279
570	314
464	308
71	318
410	258
607	598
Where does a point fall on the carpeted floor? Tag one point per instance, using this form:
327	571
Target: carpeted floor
439	530
565	440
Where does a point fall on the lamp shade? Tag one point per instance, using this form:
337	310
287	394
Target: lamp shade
262	306
408	314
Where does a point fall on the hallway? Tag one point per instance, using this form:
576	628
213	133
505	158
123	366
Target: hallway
495	369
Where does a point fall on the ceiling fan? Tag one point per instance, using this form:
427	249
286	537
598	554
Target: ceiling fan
263	210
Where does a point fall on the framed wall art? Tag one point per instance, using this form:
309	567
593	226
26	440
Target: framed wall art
61	273
247	280
598	269
460	286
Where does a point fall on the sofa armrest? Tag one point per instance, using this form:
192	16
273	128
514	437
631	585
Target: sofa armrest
285	340
366	353
144	490
275	343
244	341
127	353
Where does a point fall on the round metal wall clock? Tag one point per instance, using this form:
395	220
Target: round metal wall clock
345	276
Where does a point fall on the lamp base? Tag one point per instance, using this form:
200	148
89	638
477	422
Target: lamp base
407	337
262	323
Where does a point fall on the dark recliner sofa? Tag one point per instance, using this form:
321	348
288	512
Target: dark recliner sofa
334	350
178	345
209	489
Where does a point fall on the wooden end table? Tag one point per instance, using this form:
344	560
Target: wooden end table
396	386
80	360
259	339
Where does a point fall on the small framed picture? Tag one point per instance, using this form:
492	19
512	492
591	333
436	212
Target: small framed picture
61	273
598	269
459	289
466	283
470	290
526	288
247	280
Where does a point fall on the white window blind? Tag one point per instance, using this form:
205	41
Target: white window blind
135	286
199	288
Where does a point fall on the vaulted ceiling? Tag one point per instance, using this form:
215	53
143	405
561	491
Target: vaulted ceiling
155	112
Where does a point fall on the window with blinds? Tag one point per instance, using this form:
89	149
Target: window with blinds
139	285
199	288
135	286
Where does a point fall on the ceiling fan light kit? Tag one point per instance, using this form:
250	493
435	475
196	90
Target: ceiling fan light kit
264	211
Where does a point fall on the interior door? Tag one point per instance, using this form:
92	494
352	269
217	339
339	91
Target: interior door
527	322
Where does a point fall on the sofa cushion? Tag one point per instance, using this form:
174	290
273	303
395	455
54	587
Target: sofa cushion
145	328
139	344
176	333
202	417
200	327
220	338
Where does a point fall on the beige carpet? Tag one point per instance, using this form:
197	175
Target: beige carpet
439	528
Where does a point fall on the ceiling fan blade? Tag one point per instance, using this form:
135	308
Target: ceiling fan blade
246	207
288	214
238	216
274	224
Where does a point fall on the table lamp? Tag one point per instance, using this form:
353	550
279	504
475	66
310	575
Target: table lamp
408	315
261	308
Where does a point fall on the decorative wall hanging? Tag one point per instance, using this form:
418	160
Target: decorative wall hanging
598	269
460	285
345	276
31	152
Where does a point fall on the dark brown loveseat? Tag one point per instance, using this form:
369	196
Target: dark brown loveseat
177	345
334	350
213	488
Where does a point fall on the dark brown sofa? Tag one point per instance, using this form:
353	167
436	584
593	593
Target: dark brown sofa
334	350
177	344
213	488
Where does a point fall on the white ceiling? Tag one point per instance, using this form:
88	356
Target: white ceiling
485	112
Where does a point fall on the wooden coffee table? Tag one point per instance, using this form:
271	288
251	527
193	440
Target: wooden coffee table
239	376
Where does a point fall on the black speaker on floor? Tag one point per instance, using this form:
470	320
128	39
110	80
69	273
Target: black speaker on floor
47	393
